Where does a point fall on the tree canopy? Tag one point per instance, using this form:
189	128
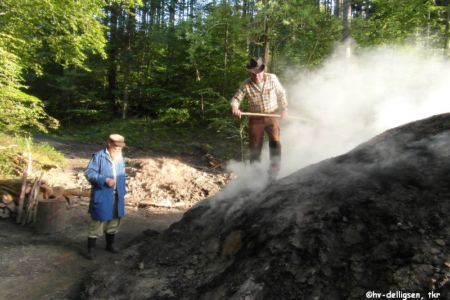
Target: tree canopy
178	60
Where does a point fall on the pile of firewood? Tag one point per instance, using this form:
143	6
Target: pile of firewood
19	198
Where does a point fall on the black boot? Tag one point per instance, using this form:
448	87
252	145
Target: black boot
110	243
91	246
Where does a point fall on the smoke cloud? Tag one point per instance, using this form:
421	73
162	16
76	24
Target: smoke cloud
348	101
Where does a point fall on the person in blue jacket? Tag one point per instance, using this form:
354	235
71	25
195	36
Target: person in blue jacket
106	173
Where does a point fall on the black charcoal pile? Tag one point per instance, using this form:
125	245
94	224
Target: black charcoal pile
374	219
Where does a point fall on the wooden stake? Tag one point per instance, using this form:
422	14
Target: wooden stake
24	184
32	201
22	195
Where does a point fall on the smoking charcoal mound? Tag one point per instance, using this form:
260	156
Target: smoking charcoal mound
374	219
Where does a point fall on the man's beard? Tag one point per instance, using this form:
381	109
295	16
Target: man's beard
116	156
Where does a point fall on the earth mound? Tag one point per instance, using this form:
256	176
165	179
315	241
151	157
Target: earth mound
374	219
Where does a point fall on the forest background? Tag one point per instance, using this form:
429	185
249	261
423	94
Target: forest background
162	72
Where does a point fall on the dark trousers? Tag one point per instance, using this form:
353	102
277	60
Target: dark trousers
257	127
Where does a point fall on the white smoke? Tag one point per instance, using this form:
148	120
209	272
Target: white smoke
348	101
351	99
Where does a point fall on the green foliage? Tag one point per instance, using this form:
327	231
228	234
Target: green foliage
34	33
175	64
396	22
62	31
217	49
173	115
18	110
304	34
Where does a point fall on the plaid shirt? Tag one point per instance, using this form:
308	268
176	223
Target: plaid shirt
265	100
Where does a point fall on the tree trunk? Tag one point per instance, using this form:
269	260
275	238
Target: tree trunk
447	32
338	8
346	15
152	16
114	11
144	20
172	10
160	12
266	38
129	34
191	8
225	61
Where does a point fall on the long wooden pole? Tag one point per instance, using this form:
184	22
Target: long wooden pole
22	195
26	171
272	115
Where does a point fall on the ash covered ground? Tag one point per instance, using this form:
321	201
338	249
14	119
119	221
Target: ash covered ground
373	219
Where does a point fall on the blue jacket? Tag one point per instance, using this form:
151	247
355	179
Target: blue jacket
102	196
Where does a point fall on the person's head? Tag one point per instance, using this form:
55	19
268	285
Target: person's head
115	144
256	69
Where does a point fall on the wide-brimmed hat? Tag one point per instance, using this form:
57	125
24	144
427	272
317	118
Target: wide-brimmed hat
255	66
117	140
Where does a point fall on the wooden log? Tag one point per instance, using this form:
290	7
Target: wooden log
4	213
7	198
51	215
10	189
12	206
77	192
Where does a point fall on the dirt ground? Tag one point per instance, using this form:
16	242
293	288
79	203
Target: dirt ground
53	266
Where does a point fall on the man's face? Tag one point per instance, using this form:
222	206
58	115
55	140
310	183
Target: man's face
114	149
258	77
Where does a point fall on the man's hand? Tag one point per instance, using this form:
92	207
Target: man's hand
110	182
236	111
284	114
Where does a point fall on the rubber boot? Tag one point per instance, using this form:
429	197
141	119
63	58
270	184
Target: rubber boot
110	243
90	247
273	172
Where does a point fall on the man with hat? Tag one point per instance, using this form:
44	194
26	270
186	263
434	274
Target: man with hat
265	95
106	173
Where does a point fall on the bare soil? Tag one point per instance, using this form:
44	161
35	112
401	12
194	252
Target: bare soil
53	266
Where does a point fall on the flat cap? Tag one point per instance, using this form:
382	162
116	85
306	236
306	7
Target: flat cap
117	140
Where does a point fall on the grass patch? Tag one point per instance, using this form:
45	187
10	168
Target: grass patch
159	136
12	158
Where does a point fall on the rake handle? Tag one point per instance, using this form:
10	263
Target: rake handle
271	115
